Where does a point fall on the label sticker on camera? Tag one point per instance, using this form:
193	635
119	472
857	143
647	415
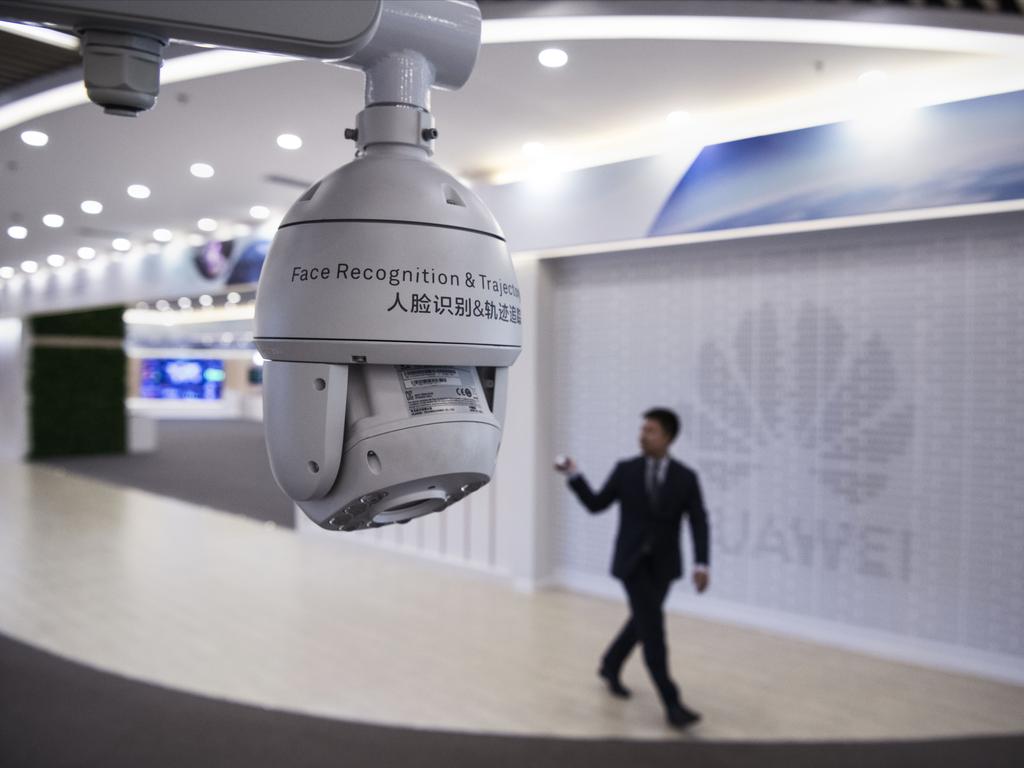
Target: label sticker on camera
440	389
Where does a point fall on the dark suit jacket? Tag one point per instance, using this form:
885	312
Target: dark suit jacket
641	530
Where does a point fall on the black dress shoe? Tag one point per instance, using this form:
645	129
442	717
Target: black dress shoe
615	687
680	717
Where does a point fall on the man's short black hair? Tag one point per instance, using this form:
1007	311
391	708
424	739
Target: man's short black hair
667	419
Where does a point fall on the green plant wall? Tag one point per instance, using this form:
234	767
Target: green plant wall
76	390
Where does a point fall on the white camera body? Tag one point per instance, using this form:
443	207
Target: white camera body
387	310
388	313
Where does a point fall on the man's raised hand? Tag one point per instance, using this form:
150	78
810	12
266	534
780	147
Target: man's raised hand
565	464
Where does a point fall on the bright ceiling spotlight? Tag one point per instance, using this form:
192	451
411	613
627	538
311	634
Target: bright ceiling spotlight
17	231
553	58
201	170
122	244
92	207
163	235
85	253
55	260
289	141
35	138
53	220
138	191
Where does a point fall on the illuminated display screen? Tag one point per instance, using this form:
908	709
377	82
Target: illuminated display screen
169	379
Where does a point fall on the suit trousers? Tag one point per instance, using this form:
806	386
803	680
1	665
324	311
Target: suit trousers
646	592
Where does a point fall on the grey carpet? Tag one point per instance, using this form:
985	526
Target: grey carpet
54	712
220	464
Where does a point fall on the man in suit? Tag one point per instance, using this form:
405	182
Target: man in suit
654	492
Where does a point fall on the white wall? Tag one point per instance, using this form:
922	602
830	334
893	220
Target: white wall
854	405
13	392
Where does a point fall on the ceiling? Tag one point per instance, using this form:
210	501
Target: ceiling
609	102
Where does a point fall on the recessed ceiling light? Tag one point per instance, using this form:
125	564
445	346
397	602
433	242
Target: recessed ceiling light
85	253
121	244
185	302
553	57
873	78
53	220
28	266
289	141
201	170
163	235
92	206
17	231
533	149
678	117
35	138
6	273
163	305
138	191
259	212
55	260
233	298
207	225
206	300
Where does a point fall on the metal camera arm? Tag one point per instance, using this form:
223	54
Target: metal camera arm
404	46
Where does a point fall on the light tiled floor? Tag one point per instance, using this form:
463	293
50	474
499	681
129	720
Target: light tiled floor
167	592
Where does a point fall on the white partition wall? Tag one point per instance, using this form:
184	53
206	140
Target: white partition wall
13	396
854	404
852	401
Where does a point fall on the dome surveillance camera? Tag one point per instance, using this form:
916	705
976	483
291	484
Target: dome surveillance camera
388	314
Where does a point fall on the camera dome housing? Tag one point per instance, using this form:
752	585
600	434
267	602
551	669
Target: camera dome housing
386	227
388	313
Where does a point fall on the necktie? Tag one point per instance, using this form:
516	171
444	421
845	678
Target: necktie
652	483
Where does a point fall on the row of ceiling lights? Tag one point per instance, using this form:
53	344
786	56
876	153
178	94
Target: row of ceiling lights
34	138
186	302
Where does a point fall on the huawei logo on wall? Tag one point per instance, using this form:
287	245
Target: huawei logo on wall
800	394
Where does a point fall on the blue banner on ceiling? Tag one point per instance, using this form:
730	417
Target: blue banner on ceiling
953	154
